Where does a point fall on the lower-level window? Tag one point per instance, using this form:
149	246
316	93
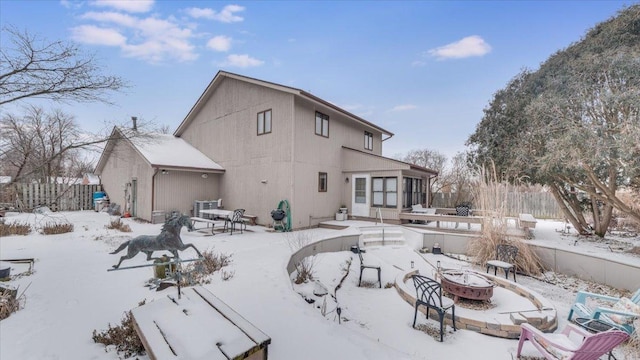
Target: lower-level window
385	192
322	182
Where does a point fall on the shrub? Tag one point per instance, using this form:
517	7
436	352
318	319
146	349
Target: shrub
9	303
491	197
123	337
117	224
198	272
304	268
52	229
14	229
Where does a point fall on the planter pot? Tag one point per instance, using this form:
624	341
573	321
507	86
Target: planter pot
341	216
344	210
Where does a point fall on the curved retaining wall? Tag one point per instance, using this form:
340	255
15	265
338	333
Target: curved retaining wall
546	319
339	243
619	274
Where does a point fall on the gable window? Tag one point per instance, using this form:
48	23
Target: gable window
322	124
385	192
264	122
368	140
322	182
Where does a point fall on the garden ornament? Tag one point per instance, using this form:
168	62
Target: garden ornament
169	240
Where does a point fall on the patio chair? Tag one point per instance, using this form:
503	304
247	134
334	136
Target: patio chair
363	266
463	210
506	258
565	346
429	294
236	219
618	312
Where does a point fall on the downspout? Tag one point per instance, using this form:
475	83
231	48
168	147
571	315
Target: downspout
153	190
390	136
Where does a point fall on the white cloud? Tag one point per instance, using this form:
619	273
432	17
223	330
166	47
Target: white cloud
94	35
419	63
137	6
219	43
111	17
227	15
404	107
467	47
242	61
151	38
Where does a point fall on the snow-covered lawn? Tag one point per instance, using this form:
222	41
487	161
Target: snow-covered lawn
71	293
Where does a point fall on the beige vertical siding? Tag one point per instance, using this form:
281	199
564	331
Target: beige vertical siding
177	190
314	154
226	131
121	167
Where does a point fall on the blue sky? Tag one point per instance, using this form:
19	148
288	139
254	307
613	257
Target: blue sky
423	70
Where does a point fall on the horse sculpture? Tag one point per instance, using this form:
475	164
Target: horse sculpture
169	240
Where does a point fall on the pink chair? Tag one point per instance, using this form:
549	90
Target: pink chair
562	346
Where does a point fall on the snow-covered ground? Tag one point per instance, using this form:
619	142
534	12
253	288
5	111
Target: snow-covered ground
71	293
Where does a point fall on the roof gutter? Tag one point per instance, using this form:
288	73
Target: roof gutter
390	136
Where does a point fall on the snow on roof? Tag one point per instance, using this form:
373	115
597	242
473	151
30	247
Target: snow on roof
92	179
170	151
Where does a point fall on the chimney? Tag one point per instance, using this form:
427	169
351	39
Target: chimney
135	123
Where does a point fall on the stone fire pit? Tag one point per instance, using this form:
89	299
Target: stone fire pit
466	285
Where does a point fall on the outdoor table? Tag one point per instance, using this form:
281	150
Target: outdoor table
595	326
220	213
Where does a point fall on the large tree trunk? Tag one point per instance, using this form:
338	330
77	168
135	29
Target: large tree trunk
573	215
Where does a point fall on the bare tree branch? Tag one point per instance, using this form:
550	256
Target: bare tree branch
34	68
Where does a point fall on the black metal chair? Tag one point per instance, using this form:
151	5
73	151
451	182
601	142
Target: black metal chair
363	266
506	258
463	210
236	218
429	294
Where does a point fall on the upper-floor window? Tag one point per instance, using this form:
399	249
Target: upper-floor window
322	182
368	140
322	124
264	122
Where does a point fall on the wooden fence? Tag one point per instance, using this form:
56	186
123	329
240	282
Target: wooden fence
542	205
58	197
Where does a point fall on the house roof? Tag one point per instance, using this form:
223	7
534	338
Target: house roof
163	151
297	92
398	163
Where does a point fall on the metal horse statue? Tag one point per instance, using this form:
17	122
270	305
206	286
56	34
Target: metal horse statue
169	240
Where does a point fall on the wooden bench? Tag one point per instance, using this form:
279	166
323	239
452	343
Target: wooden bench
197	325
252	218
208	222
527	221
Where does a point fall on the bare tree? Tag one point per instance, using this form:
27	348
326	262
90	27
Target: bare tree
40	145
455	176
31	67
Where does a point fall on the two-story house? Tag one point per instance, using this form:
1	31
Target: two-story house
268	142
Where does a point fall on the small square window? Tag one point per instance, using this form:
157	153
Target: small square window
264	122
322	124
322	182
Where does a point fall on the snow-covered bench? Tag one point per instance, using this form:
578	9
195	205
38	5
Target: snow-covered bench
195	220
197	325
418	209
527	221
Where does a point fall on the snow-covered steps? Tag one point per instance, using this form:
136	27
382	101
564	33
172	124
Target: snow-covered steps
381	236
